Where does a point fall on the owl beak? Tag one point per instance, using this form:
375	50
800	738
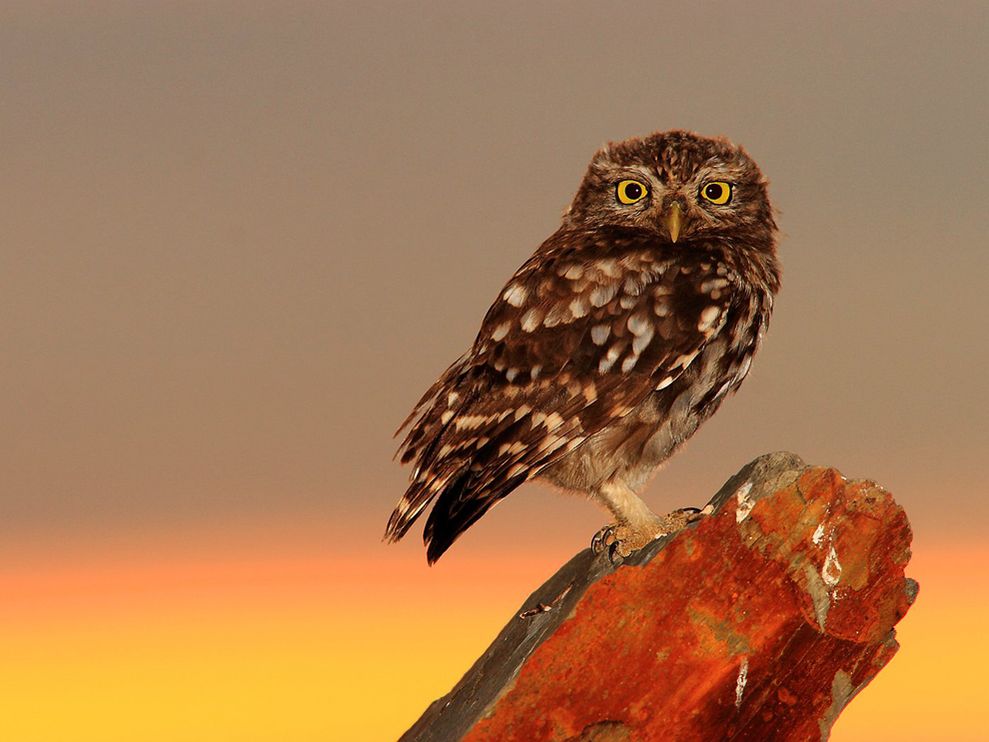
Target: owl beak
673	220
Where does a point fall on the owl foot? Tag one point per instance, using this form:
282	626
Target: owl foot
622	539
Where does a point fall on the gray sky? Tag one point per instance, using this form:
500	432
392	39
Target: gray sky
240	240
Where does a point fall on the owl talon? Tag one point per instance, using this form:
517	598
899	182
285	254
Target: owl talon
601	539
608	538
614	555
688	515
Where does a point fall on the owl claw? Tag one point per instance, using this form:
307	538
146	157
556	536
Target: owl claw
607	538
688	515
600	539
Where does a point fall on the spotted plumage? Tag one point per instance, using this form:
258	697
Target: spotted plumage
608	347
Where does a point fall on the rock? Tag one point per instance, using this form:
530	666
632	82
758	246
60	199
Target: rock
761	621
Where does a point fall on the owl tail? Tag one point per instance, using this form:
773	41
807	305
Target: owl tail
459	503
407	511
456	510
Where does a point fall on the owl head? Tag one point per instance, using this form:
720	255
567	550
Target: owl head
684	187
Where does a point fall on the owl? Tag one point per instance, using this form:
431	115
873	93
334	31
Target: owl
624	331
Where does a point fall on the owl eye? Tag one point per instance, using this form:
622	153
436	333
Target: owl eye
717	192
631	191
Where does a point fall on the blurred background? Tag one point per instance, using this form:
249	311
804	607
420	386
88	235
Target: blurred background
240	239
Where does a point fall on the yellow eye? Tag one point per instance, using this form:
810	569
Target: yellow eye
631	191
717	192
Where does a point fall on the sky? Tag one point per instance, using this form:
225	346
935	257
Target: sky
240	239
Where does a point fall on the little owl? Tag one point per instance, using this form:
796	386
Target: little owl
607	349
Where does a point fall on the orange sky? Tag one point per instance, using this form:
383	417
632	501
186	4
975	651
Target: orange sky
311	644
240	239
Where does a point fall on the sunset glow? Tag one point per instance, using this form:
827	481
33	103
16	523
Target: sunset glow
291	645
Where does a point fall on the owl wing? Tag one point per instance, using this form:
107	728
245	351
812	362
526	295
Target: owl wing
570	347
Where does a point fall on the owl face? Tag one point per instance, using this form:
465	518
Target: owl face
677	184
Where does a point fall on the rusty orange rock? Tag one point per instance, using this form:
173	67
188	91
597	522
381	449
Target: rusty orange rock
759	622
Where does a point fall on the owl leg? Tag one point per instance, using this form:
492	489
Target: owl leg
635	524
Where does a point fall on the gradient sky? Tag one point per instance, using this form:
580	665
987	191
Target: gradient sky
240	239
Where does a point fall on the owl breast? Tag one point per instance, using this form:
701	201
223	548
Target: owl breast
634	447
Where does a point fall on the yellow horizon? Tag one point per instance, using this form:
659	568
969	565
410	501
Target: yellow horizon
298	646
